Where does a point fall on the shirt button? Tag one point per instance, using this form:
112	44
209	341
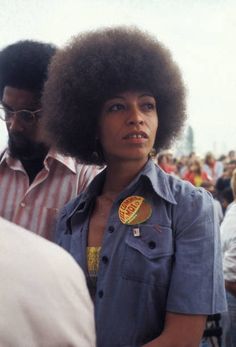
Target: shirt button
100	293
111	229
152	244
105	259
22	204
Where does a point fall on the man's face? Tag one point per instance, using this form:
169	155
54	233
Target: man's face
23	138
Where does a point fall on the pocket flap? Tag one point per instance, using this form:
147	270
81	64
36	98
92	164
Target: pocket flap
153	242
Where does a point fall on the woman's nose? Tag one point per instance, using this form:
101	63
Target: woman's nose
135	117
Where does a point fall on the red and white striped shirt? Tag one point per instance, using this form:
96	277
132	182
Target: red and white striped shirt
36	206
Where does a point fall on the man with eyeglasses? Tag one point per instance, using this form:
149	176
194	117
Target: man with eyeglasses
35	180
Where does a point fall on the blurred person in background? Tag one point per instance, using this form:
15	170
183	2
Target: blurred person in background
227	198
228	240
223	182
166	163
184	162
232	155
195	173
209	186
213	167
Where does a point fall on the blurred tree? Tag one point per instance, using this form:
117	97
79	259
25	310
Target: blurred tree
189	140
186	143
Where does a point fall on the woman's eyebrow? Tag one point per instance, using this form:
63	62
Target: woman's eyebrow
146	94
124	98
116	97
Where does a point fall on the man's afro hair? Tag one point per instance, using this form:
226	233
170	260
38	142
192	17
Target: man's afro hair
24	65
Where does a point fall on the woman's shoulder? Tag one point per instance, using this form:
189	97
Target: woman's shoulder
182	189
86	195
71	206
176	190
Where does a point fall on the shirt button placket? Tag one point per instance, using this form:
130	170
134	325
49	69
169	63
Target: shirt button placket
100	294
152	244
105	259
111	229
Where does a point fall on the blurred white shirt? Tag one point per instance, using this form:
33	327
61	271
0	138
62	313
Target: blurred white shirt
44	301
228	241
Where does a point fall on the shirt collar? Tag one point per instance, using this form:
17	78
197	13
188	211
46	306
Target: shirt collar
13	163
89	194
158	179
85	199
68	162
3	155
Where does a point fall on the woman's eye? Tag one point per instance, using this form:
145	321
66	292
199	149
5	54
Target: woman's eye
149	106
116	107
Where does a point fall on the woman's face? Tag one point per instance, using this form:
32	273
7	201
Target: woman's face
128	126
195	167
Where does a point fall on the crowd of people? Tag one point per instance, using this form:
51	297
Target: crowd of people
218	176
84	123
213	174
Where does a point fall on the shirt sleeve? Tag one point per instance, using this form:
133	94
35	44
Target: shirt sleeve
228	236
196	285
229	262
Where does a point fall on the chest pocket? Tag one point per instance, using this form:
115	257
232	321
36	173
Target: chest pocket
148	257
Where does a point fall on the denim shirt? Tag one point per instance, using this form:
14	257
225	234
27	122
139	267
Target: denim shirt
174	265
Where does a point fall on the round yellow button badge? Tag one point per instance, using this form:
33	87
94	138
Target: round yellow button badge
134	210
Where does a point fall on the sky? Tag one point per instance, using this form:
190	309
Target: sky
200	34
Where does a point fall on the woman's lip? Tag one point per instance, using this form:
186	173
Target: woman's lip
135	140
135	135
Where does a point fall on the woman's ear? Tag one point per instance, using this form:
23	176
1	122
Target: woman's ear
97	154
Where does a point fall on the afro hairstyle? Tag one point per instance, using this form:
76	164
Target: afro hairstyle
95	66
24	65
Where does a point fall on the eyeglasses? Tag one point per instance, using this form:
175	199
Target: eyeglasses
25	116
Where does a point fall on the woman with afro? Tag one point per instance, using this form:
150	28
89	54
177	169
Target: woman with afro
147	242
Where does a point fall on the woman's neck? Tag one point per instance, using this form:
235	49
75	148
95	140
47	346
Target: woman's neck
119	175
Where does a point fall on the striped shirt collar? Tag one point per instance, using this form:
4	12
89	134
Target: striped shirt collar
68	162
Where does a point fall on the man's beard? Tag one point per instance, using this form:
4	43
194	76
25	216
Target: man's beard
21	147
